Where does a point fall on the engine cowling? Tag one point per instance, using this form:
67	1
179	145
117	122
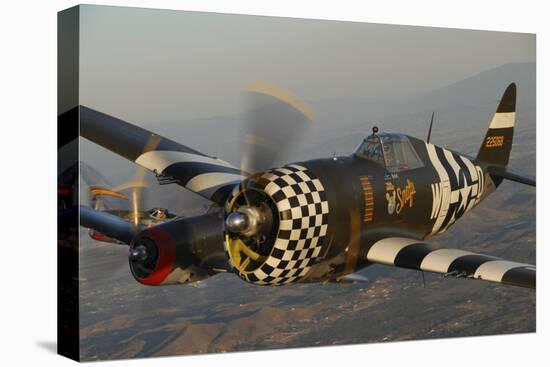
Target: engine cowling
180	251
275	225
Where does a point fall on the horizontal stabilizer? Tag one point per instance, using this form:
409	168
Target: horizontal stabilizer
497	171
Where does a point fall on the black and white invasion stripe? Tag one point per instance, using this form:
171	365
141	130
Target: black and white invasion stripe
414	254
200	174
505	115
207	176
460	187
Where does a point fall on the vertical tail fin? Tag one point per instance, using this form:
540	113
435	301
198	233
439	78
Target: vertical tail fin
496	147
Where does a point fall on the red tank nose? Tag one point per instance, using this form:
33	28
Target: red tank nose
152	257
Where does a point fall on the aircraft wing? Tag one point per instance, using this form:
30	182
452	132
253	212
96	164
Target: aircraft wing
108	224
207	176
413	254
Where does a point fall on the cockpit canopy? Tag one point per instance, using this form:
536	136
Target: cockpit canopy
393	151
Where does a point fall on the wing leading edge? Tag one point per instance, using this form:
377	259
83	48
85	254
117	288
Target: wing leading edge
417	255
207	176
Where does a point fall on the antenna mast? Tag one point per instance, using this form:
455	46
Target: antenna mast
430	130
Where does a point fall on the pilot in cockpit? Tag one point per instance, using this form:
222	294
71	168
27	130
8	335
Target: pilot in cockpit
393	151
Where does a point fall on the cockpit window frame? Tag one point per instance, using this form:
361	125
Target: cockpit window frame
363	156
379	138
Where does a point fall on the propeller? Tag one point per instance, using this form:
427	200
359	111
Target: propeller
136	190
276	121
138	185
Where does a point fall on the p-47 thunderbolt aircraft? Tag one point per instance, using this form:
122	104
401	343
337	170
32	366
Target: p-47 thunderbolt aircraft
312	221
104	197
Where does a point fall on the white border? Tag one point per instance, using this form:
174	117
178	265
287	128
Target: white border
28	85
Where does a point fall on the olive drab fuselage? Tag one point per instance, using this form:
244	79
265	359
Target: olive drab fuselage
367	202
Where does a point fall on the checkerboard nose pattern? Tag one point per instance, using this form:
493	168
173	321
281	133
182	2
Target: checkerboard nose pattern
303	222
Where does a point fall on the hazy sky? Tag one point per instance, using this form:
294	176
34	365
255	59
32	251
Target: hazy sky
152	65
